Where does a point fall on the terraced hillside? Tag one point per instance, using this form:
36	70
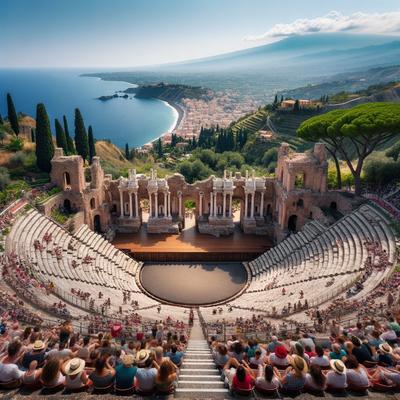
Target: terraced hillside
286	123
252	123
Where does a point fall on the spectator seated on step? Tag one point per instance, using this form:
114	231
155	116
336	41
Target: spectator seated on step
268	378
336	379
315	379
166	377
220	354
320	359
175	356
239	376
279	358
295	376
146	373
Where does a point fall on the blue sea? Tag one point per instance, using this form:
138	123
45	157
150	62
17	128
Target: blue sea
133	121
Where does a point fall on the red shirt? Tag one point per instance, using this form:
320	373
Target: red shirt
247	384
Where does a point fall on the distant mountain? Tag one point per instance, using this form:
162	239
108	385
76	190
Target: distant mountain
309	50
264	70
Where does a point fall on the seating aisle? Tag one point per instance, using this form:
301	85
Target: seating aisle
199	376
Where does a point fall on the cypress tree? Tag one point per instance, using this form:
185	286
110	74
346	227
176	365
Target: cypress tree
160	152
127	156
92	147
70	142
33	138
61	140
81	138
1	120
12	114
44	140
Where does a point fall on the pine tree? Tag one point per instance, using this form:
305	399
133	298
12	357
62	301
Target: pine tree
92	146
12	115
127	155
44	140
81	138
70	142
60	136
160	152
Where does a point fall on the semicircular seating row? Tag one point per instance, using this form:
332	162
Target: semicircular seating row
320	261
106	270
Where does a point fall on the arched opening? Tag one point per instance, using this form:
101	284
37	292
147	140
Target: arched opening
300	203
333	206
190	213
299	180
269	211
92	203
67	206
114	208
97	223
292	223
67	181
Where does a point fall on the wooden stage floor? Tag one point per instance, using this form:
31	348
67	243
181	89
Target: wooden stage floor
190	243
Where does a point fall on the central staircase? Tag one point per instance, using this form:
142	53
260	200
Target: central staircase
199	376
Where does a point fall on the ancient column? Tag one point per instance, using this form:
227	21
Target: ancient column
136	205
150	206
169	205
252	205
224	204
121	199
211	204
180	204
230	205
200	204
130	205
165	205
215	205
246	204
262	204
156	204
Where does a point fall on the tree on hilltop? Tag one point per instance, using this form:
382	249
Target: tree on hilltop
60	136
70	142
12	114
354	133
92	147
81	137
127	154
44	140
1	120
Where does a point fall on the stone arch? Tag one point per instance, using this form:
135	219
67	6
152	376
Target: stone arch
67	206
67	180
92	203
97	223
292	223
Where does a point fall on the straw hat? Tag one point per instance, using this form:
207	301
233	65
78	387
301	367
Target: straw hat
298	363
386	348
338	366
38	345
74	366
142	356
127	360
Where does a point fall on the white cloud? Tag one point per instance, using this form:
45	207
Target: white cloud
334	21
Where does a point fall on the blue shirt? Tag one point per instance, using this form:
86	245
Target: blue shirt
176	358
124	376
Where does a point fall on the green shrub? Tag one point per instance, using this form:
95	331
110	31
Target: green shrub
4	178
16	144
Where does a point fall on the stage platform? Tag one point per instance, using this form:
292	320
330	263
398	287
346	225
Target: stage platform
191	246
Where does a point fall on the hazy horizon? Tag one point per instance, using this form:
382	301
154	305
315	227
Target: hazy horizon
125	34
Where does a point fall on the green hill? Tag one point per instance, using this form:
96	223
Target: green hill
251	122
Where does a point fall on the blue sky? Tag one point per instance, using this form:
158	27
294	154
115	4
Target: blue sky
123	33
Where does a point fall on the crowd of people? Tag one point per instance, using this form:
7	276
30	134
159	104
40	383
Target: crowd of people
365	357
58	358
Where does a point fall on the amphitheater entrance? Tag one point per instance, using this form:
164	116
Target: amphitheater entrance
193	283
67	206
97	223
292	223
190	210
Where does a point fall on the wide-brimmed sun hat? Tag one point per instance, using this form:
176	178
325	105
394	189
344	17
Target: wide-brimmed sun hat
298	363
280	351
74	366
338	366
128	360
386	348
142	356
38	345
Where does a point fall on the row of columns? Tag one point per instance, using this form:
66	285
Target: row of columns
213	204
121	198
246	204
167	204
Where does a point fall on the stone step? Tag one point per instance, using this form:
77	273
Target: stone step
200	384
200	370
200	390
189	360
184	377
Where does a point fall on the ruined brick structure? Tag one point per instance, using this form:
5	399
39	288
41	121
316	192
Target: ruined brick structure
268	206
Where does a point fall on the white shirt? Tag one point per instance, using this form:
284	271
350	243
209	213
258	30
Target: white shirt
10	372
335	380
321	361
146	378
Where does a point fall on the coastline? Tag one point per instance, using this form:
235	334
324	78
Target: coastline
180	117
